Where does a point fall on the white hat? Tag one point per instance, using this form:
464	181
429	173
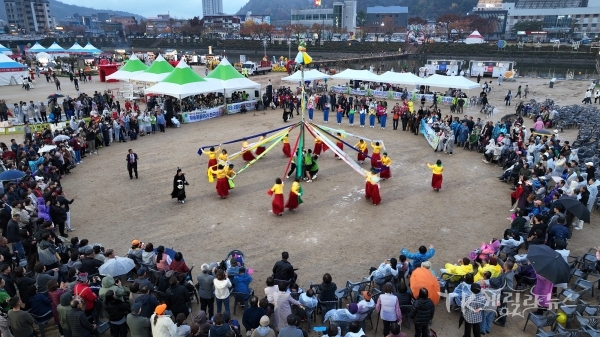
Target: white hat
589	163
555	131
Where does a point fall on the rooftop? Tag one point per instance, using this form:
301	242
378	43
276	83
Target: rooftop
387	10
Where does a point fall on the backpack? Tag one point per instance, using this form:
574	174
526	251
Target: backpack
78	297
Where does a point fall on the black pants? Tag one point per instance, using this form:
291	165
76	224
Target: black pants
118	330
421	330
395	124
404	125
208	303
292	169
472	326
132	168
61	228
44	118
161	127
386	327
502	309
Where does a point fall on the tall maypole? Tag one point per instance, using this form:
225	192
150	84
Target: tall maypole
302	60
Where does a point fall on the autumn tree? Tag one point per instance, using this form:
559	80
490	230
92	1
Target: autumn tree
317	28
417	20
287	31
527	25
193	26
298	30
485	26
447	20
361	18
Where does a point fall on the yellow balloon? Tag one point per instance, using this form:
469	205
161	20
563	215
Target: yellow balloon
562	318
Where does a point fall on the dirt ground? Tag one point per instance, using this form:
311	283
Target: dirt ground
334	231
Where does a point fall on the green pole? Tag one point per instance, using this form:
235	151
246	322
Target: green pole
299	159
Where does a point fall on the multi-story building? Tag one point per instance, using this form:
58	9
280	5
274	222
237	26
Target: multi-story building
257	18
559	18
125	20
212	7
30	16
386	20
221	23
341	15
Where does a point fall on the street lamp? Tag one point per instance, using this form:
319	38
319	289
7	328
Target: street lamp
289	43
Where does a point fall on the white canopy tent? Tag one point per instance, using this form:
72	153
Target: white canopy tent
361	75
55	48
11	71
76	48
310	75
441	81
474	38
227	77
132	68
36	48
184	82
5	50
400	78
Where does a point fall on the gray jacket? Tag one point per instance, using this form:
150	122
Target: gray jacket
206	287
139	326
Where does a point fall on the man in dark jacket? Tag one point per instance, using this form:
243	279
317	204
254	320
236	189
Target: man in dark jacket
252	315
9	282
148	302
178	298
13	235
89	264
283	270
422	313
139	326
80	326
504	282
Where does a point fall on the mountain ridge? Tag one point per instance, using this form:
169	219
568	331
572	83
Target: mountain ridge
61	10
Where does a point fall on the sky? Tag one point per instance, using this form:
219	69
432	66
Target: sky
151	8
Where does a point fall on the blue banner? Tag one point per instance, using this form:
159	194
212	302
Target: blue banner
429	133
237	107
202	115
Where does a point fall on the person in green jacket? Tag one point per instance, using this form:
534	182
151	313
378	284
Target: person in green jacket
153	122
4	297
307	161
63	311
314	168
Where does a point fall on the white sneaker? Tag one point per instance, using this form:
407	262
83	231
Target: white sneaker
183	201
309	181
287	177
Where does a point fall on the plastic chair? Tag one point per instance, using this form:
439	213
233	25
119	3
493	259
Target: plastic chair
368	316
570	311
591	322
325	306
344	293
572	295
450	281
405	309
241	298
310	316
357	288
42	321
585	285
541	321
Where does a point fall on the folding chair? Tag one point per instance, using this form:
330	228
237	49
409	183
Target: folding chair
541	321
357	288
368	316
570	311
325	306
344	293
241	298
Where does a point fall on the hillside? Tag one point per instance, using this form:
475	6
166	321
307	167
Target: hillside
428	9
60	10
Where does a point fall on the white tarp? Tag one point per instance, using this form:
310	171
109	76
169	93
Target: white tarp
10	69
400	78
309	75
361	75
441	81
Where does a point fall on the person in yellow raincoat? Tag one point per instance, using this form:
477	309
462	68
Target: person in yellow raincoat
492	266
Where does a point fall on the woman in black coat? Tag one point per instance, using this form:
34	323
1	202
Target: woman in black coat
422	313
59	216
179	183
178	298
117	314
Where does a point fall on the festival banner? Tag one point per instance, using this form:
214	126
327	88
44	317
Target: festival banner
397	95
429	133
202	115
237	107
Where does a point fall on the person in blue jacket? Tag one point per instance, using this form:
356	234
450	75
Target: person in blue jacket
241	286
418	257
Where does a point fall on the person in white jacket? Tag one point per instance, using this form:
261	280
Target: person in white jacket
162	325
